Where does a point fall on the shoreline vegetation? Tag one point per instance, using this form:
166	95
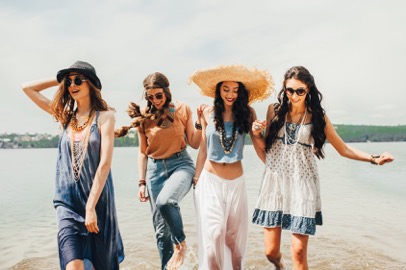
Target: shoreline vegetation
349	133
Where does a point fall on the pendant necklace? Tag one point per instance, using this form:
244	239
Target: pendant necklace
169	118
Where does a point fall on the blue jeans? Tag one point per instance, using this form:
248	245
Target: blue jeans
168	182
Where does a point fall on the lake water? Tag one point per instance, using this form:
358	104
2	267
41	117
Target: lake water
364	211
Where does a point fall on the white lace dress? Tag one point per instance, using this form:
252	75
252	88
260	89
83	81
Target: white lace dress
290	192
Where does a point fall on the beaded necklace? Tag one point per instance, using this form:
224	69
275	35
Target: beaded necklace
79	143
227	143
74	122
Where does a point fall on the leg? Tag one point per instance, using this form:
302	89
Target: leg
299	251
75	265
175	189
163	236
272	243
210	211
237	222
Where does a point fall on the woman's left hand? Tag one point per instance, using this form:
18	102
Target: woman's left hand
384	158
91	221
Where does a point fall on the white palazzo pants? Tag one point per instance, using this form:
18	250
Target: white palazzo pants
222	216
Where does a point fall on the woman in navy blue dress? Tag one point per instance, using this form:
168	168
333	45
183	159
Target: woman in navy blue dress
88	234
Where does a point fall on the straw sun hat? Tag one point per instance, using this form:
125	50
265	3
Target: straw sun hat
259	83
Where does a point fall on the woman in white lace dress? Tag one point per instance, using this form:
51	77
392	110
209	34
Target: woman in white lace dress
295	132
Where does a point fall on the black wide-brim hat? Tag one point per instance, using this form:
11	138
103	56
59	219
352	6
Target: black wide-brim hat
83	68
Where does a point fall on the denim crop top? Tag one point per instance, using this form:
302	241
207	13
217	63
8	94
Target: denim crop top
215	151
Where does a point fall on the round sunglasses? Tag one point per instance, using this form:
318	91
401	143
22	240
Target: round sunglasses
300	91
77	81
158	96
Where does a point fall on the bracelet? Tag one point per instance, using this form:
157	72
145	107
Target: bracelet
373	157
142	182
198	126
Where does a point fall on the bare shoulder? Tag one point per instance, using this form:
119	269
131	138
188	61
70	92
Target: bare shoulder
272	108
106	116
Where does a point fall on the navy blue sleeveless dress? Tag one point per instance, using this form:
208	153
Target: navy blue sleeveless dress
105	249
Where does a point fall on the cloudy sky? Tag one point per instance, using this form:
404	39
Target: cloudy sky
355	49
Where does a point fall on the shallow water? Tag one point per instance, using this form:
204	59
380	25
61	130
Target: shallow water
363	210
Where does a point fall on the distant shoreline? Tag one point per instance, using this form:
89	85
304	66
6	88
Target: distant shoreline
349	133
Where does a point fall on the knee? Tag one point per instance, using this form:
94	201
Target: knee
272	253
162	203
230	239
216	238
298	252
75	265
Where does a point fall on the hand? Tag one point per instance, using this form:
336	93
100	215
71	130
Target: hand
195	180
258	126
91	221
200	110
142	194
384	158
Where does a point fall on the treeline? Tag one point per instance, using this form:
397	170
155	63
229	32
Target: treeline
349	133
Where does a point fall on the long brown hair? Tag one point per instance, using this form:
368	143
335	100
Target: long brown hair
63	104
154	80
313	106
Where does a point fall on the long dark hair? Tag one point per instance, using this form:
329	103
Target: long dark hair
154	80
63	104
241	110
313	106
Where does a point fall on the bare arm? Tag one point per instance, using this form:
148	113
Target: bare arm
193	135
349	152
256	136
202	155
106	122
142	165
33	89
262	125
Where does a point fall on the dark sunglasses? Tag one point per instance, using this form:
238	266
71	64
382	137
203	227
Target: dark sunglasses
158	96
77	80
300	91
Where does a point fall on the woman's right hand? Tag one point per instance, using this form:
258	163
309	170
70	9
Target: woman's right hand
142	193
258	127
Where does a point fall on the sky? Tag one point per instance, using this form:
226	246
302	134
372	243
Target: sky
356	50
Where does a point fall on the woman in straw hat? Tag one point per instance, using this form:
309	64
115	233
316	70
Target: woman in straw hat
220	194
88	234
164	166
295	132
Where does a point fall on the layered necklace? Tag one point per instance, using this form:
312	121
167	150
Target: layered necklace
293	129
227	143
79	143
169	117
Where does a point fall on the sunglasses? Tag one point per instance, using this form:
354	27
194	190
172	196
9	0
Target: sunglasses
158	96
300	91
77	81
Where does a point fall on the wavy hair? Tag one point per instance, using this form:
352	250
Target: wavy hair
313	106
63	104
241	109
152	81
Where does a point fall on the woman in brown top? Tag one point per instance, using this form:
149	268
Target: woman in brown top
165	168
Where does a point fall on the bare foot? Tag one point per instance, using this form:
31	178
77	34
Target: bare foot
177	257
281	265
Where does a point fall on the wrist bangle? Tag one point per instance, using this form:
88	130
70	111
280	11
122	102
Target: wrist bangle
142	182
373	157
198	126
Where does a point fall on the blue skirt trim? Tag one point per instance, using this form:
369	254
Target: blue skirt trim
297	224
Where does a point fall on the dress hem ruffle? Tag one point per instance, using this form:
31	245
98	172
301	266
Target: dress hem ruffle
296	224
